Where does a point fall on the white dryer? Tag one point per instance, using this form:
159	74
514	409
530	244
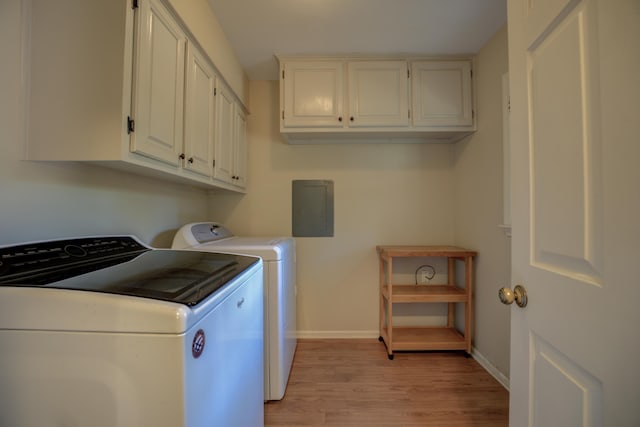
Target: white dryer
279	264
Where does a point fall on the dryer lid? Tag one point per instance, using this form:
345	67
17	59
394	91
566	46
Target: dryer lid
212	236
193	234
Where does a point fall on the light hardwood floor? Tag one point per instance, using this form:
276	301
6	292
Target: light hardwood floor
353	383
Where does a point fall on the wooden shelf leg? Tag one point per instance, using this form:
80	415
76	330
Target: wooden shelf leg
468	324
451	280
390	307
381	279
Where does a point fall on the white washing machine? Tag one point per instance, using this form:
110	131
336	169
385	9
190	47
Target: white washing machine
107	332
279	264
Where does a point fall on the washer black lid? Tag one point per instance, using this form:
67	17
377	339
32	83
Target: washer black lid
120	265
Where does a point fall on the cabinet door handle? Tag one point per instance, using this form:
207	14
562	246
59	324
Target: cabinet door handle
190	160
340	118
351	118
240	302
181	156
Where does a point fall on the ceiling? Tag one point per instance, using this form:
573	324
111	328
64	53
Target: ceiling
260	29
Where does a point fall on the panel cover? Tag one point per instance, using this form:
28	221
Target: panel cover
312	203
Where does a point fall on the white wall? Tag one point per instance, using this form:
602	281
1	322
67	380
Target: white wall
52	200
384	194
478	205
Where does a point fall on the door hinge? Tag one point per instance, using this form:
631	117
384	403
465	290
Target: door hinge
134	4
131	125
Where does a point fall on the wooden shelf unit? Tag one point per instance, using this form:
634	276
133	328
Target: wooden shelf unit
425	337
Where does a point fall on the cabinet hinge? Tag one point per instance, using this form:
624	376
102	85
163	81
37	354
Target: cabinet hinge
134	4
409	114
408	74
282	114
214	163
131	125
473	114
471	73
283	74
215	91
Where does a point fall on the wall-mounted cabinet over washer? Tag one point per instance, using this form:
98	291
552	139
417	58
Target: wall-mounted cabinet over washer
127	85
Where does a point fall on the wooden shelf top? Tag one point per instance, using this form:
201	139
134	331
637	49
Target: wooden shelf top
423	251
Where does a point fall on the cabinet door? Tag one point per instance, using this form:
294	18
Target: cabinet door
199	114
223	169
159	84
313	94
378	93
240	147
441	93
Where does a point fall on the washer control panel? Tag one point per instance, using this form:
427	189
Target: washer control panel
29	259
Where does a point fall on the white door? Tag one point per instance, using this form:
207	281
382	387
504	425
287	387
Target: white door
158	84
199	113
223	169
312	94
574	67
240	147
441	93
378	93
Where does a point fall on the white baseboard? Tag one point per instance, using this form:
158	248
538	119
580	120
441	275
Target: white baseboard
337	334
492	370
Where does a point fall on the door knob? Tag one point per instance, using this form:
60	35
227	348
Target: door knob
519	295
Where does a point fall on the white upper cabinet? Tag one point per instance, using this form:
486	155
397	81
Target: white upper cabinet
230	144
199	135
378	93
333	99
313	94
442	94
239	147
223	169
158	97
135	91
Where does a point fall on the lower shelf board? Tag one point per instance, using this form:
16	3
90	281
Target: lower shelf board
424	338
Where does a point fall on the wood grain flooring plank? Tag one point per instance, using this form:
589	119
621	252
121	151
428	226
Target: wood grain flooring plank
352	383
